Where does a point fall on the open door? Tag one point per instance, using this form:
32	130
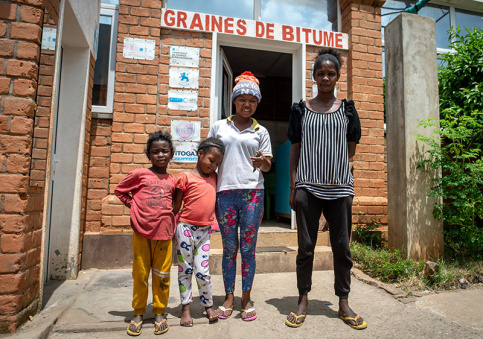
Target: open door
226	87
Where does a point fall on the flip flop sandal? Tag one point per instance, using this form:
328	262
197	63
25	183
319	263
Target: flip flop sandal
224	310
296	323
158	325
253	317
356	326
138	326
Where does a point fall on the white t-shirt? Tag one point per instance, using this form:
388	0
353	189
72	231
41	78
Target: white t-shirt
236	170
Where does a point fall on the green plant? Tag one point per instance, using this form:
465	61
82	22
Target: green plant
366	232
384	264
456	148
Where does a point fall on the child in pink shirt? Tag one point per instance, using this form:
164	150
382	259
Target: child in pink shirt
149	192
197	190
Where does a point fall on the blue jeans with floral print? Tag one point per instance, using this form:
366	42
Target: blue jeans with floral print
239	209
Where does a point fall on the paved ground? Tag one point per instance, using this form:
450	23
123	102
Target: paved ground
97	305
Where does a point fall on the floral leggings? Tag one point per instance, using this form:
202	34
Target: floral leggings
242	208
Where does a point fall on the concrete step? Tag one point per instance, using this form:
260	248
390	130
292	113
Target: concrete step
274	237
274	259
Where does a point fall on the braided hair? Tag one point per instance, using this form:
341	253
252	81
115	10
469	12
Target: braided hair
210	143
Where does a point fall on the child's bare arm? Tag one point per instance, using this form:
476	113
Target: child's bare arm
178	199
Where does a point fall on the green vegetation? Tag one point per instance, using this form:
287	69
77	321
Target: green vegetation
456	148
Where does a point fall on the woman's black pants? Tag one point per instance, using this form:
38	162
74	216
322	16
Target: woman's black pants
338	214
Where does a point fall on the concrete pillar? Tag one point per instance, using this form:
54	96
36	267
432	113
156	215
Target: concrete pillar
411	96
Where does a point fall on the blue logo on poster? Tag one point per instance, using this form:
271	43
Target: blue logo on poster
184	78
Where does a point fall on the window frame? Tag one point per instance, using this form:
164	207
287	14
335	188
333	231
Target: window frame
105	111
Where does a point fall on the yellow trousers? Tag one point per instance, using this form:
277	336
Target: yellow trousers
156	255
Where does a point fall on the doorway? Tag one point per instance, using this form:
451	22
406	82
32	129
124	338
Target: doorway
275	70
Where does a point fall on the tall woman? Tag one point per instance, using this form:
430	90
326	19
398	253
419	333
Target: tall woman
240	190
324	132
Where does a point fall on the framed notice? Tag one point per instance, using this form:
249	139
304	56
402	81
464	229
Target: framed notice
184	77
185	151
185	130
182	100
138	49
184	56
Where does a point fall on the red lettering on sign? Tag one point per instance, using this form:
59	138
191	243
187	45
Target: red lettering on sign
196	22
329	39
307	32
259	29
242	27
338	40
182	19
270	31
169	19
229	25
287	33
317	36
216	22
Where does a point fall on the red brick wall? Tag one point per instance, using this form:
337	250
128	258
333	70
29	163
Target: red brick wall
99	164
361	19
21	205
140	110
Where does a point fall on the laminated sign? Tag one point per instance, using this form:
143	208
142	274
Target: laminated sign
183	77
183	100
185	130
184	56
185	151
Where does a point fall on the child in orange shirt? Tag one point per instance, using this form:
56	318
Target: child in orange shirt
197	189
148	192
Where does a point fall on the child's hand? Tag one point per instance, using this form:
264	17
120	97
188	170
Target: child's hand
258	160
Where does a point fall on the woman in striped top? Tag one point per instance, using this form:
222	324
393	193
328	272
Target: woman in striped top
324	132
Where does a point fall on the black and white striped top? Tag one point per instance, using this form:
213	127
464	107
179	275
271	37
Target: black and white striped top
323	166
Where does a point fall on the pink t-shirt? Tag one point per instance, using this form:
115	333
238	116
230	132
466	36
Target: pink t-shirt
199	198
150	201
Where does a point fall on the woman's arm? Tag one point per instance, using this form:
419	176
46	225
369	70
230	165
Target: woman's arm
178	199
351	146
293	163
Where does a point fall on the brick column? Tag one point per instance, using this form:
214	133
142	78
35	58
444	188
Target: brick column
21	204
361	19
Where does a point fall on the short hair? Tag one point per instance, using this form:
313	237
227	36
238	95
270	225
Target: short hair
210	143
158	136
328	54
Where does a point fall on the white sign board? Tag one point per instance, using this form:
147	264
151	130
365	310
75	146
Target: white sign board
185	151
49	36
184	56
185	130
171	18
138	49
182	100
184	77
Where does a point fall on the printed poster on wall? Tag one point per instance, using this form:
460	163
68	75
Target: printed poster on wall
185	151
185	130
184	56
138	49
184	77
182	100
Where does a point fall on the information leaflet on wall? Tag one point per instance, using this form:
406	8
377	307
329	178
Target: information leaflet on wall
184	56
138	49
182	100
185	151
186	130
183	77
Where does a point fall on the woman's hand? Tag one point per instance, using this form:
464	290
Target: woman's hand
291	199
261	161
